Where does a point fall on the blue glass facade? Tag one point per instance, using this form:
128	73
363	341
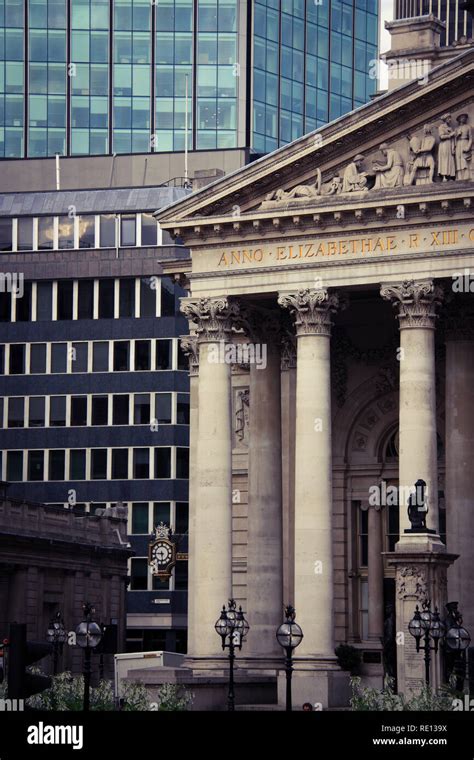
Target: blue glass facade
109	76
311	64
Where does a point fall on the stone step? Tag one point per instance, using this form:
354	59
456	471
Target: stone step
258	708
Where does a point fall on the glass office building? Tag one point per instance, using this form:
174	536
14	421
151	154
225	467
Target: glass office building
458	21
95	77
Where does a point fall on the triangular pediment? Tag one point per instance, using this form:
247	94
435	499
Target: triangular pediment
319	168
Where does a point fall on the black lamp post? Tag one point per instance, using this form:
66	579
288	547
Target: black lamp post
289	636
88	636
57	636
232	627
426	625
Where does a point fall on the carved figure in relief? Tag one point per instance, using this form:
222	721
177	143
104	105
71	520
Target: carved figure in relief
446	150
300	191
353	179
463	147
389	174
423	166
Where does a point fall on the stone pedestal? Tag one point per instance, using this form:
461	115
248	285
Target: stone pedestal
321	683
421	564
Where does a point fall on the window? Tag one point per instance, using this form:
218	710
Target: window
182	410
100	357
58	357
107	231
106	299
141	463
121	356
119	464
142	355
66	232
149	230
120	406
183	361
77	464
98	464
85	300
87	232
2	359
25	234
140	517
363	526
16	412
57	411
141	409
100	414
44	301
5	234
182	463
14	466
45	232
181	523
181	576
163	408
164	354
128	230
167	297
127	298
36	465
36	414
78	410
56	464
139	574
161	513
79	357
163	462
37	358
23	305
148	297
17	359
64	299
5	307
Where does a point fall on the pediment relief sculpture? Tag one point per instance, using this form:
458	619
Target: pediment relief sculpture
440	153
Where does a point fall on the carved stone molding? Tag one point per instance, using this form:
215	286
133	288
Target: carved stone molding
311	310
411	582
416	302
214	317
189	345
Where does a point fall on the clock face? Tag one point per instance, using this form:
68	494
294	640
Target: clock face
161	552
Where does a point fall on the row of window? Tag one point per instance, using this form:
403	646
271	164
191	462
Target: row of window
141	578
101	409
92	356
81	231
164	462
89	299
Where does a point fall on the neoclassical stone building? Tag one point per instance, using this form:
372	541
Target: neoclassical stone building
340	266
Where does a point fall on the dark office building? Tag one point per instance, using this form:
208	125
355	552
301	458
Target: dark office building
458	21
96	77
94	396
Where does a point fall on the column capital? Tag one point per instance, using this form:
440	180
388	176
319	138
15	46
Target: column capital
416	302
190	347
260	325
214	317
311	310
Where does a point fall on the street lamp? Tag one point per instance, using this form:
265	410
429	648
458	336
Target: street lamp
232	627
57	636
427	625
88	636
289	636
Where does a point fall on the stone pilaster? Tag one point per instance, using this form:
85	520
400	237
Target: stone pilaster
375	573
213	320
288	445
416	304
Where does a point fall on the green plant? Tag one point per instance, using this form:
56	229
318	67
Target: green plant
386	700
66	693
135	696
172	697
348	657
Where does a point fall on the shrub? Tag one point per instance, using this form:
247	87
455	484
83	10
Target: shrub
386	700
66	693
172	697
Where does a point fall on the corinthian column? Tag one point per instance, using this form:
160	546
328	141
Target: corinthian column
212	482
416	304
314	592
189	344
